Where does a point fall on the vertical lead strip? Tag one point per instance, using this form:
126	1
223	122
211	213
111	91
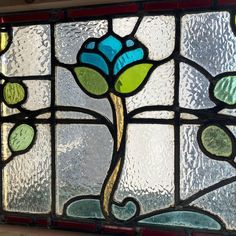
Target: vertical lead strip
177	113
53	127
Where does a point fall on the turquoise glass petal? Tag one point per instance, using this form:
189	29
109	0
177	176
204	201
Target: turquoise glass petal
110	46
85	208
188	219
127	58
129	43
90	45
124	213
95	60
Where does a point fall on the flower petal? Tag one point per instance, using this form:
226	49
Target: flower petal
127	58
132	78
95	60
110	46
91	80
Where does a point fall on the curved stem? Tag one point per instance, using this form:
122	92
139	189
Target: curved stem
111	180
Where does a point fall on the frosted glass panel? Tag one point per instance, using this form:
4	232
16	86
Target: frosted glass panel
161	35
29	53
159	89
198	171
82	160
148	172
71	36
124	26
27	178
207	38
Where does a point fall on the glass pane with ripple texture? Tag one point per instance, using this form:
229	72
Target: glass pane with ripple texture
157	33
156	115
124	26
82	160
68	93
29	53
159	89
221	202
69	37
198	171
27	178
194	89
208	39
148	171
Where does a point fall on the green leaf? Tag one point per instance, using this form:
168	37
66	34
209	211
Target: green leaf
132	78
225	90
91	80
13	93
216	141
21	137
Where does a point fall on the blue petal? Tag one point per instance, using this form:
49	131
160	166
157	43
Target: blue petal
127	58
90	45
129	43
110	46
95	60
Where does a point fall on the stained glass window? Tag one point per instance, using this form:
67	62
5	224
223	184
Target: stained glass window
123	116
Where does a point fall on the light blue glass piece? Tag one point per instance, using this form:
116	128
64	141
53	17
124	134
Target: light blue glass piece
188	219
95	60
129	43
127	58
110	46
90	45
85	208
125	212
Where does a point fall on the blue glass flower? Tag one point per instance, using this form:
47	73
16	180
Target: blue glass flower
112	63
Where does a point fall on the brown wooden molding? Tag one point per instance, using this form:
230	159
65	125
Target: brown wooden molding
7	6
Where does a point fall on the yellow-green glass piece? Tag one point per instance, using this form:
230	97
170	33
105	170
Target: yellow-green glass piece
91	80
4	39
216	141
21	137
132	78
13	93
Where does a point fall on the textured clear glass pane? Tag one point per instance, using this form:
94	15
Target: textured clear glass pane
229	112
159	89
69	37
73	115
157	33
68	93
207	38
156	115
221	202
29	53
82	161
124	26
27	178
188	116
194	89
198	171
148	171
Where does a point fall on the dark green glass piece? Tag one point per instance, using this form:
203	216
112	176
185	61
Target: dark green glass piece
188	219
216	141
91	80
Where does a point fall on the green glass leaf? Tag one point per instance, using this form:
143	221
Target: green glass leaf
216	141
225	90
132	78
184	219
85	208
91	80
124	213
13	93
21	137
